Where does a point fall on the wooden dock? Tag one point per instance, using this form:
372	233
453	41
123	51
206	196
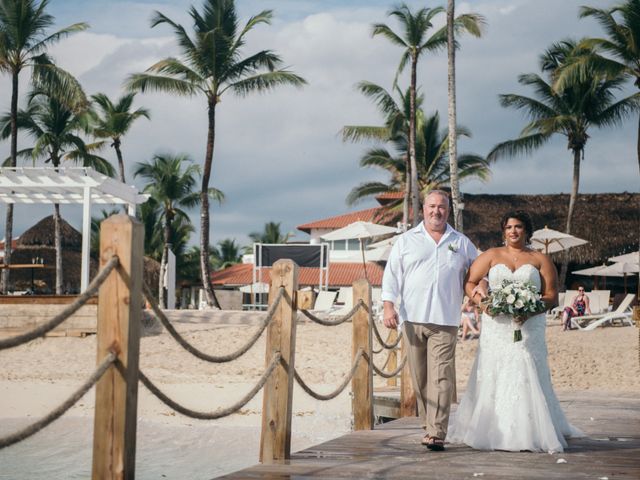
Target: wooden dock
610	450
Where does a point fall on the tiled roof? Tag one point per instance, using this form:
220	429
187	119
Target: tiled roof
340	275
339	221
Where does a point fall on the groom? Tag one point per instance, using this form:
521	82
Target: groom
425	272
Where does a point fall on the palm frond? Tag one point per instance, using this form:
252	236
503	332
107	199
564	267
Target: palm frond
144	82
266	81
520	146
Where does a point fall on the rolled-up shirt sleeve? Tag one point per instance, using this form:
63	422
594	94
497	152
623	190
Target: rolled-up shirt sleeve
393	275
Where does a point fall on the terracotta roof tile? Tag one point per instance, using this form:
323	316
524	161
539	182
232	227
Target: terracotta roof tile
340	275
339	221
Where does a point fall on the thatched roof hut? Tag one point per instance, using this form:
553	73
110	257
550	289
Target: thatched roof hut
38	242
610	222
42	234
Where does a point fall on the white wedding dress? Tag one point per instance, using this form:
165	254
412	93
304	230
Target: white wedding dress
509	403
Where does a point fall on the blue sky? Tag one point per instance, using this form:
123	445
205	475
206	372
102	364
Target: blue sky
279	156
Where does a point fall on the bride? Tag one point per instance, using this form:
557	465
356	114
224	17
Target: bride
509	402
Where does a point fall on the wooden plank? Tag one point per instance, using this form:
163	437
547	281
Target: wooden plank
119	318
42	300
611	449
275	438
362	382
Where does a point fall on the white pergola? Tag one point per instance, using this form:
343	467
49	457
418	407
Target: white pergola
76	185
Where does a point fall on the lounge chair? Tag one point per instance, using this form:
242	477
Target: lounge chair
324	302
594	321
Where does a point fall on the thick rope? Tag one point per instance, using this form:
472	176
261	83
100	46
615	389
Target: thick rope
341	387
390	374
336	321
198	353
60	410
386	362
91	290
382	343
220	412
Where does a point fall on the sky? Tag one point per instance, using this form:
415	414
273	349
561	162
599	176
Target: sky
279	156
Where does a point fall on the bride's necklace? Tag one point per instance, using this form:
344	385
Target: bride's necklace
514	256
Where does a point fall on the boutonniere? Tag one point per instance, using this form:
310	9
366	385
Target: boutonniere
453	247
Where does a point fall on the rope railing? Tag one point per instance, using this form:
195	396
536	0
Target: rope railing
329	396
390	374
220	412
335	321
61	409
383	344
82	299
198	353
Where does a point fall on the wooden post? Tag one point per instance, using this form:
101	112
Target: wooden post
362	382
408	405
392	364
119	317
275	440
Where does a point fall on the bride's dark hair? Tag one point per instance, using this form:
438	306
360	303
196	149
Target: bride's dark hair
521	215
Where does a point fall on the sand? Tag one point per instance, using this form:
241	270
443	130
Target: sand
37	376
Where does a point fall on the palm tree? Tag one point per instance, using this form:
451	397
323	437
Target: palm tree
227	253
211	65
23	44
115	120
415	42
451	92
622	43
432	149
395	128
56	131
570	112
171	186
270	234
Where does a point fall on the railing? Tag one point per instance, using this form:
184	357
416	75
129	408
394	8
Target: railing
116	376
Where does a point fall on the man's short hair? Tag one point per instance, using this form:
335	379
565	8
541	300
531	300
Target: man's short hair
442	193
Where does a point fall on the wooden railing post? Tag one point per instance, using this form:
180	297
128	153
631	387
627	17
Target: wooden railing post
392	364
275	440
408	405
119	317
362	383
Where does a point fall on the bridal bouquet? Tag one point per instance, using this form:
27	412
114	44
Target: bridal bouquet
515	298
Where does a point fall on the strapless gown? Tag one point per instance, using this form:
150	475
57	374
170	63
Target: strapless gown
509	403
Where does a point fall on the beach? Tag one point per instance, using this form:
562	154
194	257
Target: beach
38	376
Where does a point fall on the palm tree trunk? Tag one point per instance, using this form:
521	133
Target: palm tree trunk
205	271
8	230
453	147
572	203
415	194
58	247
638	143
407	196
116	146
163	270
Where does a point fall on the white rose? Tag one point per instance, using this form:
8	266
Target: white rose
511	299
519	303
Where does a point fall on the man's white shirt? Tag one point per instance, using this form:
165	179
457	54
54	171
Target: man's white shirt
424	279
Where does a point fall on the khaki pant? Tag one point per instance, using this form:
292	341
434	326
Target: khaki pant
431	355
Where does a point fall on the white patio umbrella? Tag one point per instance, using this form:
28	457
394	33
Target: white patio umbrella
632	257
620	269
551	241
359	230
591	271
